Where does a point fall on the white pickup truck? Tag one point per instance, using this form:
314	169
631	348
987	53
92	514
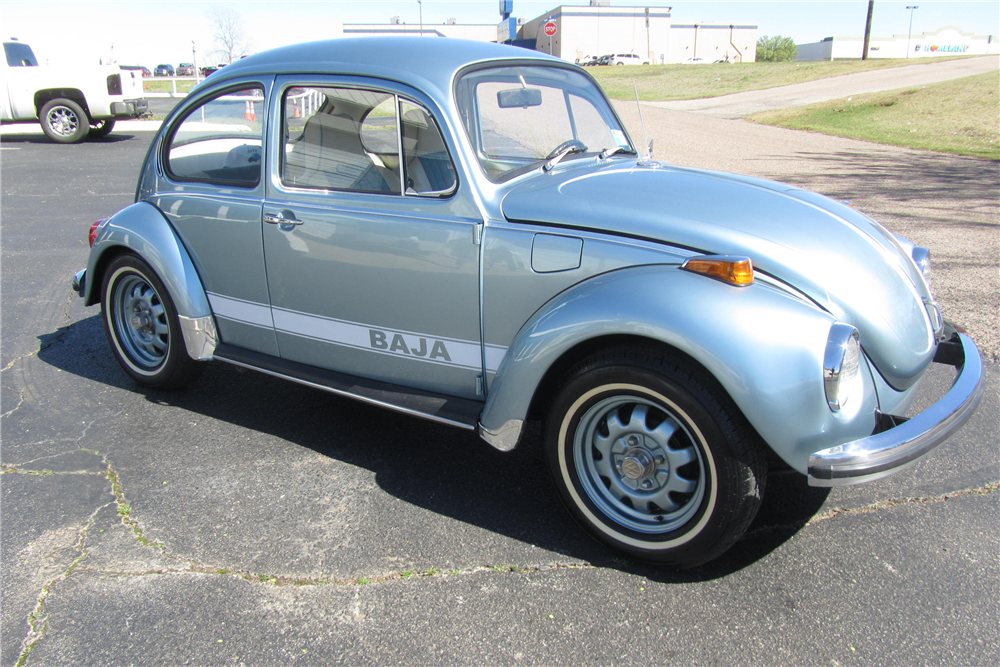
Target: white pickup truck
70	103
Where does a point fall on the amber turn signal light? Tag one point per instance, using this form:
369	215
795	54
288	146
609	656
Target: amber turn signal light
732	270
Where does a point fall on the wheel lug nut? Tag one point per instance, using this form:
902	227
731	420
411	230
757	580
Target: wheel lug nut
647	484
632	441
659	460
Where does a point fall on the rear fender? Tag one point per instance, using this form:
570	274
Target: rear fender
143	230
763	345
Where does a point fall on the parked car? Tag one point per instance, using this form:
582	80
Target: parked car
627	59
606	59
694	61
69	103
164	70
438	239
588	62
208	69
185	69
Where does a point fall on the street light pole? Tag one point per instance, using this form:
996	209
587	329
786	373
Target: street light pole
910	33
421	6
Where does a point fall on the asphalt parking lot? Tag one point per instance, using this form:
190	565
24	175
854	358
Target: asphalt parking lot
252	521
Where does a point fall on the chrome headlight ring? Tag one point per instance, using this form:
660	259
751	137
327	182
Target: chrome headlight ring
922	258
841	365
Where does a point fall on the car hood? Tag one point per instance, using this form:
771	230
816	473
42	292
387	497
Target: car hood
846	262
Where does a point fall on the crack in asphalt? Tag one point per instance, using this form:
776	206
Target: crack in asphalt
38	620
20	402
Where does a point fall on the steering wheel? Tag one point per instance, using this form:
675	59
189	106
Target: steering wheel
569	143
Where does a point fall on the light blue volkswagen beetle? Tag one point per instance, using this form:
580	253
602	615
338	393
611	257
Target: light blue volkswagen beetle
466	232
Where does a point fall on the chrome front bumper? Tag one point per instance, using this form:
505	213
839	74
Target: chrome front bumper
888	452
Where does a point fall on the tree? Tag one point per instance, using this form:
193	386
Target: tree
231	41
776	49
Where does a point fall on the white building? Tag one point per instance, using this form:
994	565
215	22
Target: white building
596	30
948	41
648	32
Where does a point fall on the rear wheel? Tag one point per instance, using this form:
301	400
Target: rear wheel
651	460
101	128
64	121
141	324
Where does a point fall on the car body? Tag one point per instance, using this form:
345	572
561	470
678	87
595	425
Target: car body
164	70
185	69
605	59
694	61
465	232
627	59
208	69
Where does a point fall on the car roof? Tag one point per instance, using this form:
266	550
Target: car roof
423	62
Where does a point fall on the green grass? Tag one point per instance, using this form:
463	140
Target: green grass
960	116
688	82
163	86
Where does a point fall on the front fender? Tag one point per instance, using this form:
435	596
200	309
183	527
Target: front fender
142	229
763	345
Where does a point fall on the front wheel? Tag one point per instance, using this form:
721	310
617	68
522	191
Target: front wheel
141	324
64	121
651	460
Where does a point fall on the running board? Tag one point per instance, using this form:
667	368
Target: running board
451	410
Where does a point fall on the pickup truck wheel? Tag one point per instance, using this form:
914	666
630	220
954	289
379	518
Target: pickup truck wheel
651	461
64	121
101	128
141	324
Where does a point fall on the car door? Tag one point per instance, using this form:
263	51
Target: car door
372	251
210	185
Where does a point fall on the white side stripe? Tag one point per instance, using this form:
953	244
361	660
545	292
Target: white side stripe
241	311
420	347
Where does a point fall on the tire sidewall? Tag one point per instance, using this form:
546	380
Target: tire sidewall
83	122
706	527
101	128
123	267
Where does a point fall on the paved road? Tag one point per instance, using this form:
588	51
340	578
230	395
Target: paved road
251	521
799	94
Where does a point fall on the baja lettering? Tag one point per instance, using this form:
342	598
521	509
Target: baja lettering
398	345
439	351
380	341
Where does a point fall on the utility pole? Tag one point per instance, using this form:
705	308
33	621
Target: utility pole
910	33
421	6
868	29
194	61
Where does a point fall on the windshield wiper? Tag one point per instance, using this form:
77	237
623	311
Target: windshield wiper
557	158
608	152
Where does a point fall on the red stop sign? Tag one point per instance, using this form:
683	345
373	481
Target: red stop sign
549	28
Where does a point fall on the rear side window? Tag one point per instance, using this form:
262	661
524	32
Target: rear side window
219	142
19	55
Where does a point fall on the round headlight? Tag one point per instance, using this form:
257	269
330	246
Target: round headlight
841	365
922	258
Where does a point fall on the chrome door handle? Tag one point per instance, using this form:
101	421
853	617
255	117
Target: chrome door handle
279	219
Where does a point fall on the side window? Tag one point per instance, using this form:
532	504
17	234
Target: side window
341	139
349	139
219	142
427	167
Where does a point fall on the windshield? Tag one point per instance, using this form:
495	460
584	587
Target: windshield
519	117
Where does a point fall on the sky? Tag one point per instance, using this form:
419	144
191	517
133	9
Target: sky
144	32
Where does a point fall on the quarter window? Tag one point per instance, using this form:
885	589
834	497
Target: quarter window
349	139
219	142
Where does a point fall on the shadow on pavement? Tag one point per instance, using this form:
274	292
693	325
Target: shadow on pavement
438	468
40	138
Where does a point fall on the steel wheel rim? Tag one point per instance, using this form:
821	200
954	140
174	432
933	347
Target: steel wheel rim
63	121
640	464
140	321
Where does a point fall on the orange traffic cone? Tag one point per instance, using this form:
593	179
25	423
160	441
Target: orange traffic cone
251	113
298	114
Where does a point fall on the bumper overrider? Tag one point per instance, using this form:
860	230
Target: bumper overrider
889	451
